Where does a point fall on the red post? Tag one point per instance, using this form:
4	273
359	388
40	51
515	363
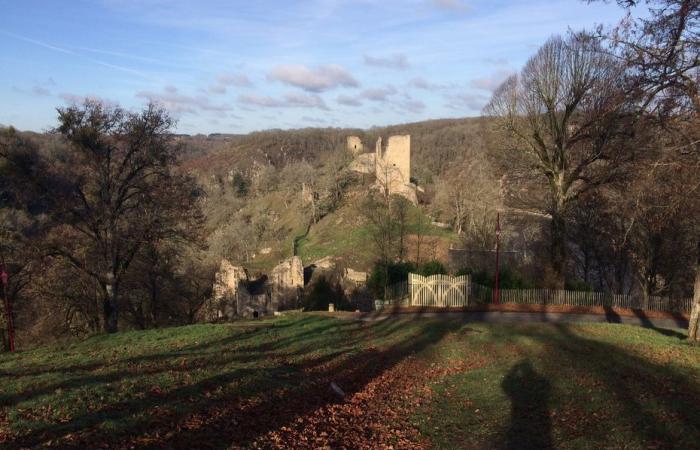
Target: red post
4	277
498	235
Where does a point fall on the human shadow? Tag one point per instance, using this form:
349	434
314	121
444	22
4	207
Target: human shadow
530	425
647	393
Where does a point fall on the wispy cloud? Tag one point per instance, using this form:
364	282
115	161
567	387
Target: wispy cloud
39	89
318	79
66	51
287	101
224	81
347	100
179	103
397	61
492	81
422	83
379	94
465	102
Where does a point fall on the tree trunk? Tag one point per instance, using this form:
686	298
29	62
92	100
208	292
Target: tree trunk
558	249
111	312
694	323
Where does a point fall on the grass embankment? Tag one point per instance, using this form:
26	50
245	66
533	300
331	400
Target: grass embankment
424	383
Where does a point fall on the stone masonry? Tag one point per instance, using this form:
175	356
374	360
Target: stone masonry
391	165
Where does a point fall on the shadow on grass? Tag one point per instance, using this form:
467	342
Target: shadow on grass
657	403
237	405
530	425
647	323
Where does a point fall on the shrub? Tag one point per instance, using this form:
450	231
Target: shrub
396	272
577	284
432	268
508	278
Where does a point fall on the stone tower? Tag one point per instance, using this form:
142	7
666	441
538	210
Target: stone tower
354	145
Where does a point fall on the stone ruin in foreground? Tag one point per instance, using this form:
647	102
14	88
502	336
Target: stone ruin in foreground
235	294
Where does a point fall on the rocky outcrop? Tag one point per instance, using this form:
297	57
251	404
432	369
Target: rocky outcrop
229	282
355	276
286	284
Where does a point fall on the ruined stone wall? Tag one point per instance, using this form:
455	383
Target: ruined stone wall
286	283
393	166
228	284
354	145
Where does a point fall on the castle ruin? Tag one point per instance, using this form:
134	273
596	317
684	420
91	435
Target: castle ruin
354	145
391	165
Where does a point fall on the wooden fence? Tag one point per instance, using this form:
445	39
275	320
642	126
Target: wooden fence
438	290
447	291
483	294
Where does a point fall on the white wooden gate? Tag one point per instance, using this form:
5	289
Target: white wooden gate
438	290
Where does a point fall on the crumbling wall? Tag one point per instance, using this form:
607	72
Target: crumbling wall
228	283
354	145
286	284
393	167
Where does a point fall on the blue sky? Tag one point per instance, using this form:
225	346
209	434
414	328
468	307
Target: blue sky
237	66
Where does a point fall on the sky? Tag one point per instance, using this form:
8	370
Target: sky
228	66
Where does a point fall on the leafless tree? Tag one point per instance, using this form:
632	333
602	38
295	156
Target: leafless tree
564	117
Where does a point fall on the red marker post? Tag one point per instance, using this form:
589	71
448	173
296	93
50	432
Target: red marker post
496	294
5	278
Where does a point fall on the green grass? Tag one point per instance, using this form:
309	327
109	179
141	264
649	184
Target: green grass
472	385
345	234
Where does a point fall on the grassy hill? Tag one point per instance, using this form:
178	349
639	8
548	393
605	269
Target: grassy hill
435	383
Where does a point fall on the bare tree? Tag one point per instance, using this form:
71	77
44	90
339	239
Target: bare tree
563	117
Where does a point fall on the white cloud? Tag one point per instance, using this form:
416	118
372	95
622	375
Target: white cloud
348	100
179	103
396	61
466	101
319	79
224	81
287	101
422	83
491	82
379	94
414	106
76	99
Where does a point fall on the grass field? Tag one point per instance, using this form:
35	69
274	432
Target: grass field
428	383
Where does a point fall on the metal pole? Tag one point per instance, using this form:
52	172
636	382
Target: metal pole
498	235
8	310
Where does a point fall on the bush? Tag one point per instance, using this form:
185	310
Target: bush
508	278
396	272
577	285
432	268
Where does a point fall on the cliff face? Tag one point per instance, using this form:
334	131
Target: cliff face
286	283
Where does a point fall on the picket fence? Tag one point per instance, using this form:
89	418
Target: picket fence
447	291
438	290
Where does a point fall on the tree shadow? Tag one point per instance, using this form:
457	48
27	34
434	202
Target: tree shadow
611	316
647	323
530	425
254	400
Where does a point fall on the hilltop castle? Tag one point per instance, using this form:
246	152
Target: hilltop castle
391	164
